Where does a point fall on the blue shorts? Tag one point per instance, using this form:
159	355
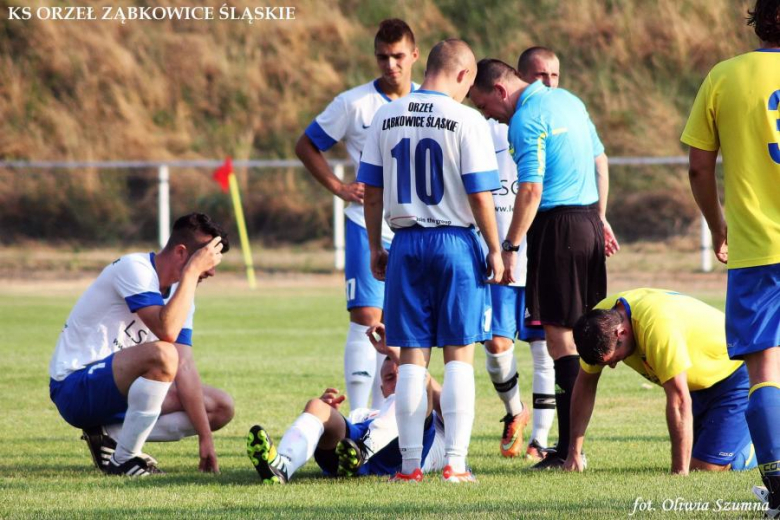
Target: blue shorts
753	310
386	461
89	397
720	430
363	290
509	314
438	294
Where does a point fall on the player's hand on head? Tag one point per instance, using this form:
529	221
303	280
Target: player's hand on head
376	335
352	192
379	264
208	256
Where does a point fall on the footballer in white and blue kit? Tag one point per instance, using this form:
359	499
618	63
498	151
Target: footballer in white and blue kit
429	166
103	322
347	118
119	355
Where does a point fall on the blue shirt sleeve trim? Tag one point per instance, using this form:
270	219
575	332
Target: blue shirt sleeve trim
481	181
185	337
319	137
145	299
371	174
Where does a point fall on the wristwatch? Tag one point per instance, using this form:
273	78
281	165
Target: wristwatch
509	247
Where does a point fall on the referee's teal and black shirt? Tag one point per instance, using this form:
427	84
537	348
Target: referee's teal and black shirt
554	142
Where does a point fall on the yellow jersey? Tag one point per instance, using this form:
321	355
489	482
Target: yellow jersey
737	110
673	333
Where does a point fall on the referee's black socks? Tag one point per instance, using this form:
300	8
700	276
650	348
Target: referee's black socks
566	370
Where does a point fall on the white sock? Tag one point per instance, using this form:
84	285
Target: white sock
411	403
544	392
300	441
359	366
172	427
457	407
168	428
502	369
383	429
377	399
144	402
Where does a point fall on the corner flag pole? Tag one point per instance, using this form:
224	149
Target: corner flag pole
225	176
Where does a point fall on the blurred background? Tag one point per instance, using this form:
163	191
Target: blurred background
164	91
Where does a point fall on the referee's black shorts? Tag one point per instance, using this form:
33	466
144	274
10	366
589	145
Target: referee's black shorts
567	271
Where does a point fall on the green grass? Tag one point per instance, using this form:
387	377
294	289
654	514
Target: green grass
273	349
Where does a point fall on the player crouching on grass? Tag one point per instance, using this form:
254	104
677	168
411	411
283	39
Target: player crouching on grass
124	358
678	343
363	443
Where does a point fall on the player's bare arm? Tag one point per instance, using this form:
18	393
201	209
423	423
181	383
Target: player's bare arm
583	401
679	419
166	321
315	162
611	245
529	195
484	210
373	208
190	393
705	191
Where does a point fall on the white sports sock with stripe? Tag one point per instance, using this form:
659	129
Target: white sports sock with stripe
359	366
543	392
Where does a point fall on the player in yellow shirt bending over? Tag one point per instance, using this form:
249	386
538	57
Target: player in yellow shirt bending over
679	343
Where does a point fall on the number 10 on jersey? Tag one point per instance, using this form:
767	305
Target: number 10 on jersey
428	171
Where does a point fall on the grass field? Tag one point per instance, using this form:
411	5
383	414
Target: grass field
273	349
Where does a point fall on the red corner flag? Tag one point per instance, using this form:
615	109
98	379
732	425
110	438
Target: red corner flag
223	173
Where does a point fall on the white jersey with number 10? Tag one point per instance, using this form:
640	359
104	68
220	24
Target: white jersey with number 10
428	152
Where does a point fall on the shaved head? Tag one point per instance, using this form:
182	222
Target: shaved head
533	53
450	56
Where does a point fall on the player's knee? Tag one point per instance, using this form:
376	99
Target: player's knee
318	408
366	316
224	410
700	465
165	358
499	344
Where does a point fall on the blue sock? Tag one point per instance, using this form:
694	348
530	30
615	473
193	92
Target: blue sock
763	418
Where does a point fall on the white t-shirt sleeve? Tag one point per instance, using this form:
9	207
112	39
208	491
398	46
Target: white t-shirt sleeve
136	281
330	126
478	166
370	171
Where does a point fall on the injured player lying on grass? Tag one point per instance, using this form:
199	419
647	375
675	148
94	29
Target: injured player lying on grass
363	443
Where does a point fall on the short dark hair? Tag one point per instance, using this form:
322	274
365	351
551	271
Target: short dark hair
393	30
765	19
528	56
186	229
489	71
594	334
